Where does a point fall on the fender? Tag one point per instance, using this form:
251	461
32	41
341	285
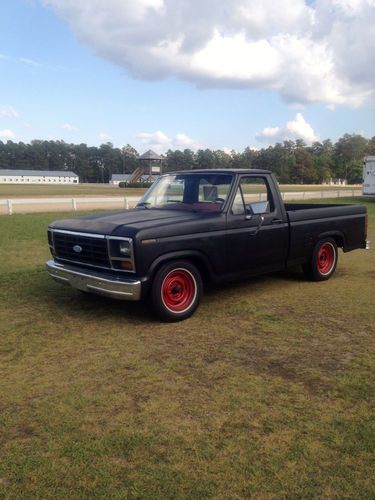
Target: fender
336	235
181	254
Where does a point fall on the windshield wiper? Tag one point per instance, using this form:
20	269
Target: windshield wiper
143	204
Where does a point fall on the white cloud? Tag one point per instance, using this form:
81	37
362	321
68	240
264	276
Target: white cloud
292	130
182	141
160	142
8	112
308	51
103	136
29	62
228	151
69	127
7	134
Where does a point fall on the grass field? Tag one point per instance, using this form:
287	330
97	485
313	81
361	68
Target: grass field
18	191
266	392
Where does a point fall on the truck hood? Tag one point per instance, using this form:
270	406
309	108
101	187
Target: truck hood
124	223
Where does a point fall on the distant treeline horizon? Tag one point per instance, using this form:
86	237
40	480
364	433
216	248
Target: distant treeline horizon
293	162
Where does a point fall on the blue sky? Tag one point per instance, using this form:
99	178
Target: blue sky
62	80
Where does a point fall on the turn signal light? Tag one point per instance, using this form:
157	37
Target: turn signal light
126	264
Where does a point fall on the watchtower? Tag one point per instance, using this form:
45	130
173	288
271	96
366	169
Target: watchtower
150	164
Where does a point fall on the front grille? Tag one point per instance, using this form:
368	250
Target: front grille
94	250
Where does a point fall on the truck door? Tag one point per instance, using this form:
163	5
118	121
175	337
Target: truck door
257	235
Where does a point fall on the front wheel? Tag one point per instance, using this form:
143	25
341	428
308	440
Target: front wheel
323	261
176	290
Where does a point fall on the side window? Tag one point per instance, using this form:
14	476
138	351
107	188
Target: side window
252	191
238	207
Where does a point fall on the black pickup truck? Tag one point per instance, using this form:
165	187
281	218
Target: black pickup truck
200	226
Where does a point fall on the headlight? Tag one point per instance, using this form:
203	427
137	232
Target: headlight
121	253
124	248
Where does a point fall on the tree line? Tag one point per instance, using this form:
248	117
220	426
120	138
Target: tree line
293	162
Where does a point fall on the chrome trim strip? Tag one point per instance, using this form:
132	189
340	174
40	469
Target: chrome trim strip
55	265
126	289
109	253
76	233
120	238
101	290
61	278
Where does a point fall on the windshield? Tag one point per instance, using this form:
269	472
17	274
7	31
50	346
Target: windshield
199	192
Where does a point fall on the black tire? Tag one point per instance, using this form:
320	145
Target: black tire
176	290
323	261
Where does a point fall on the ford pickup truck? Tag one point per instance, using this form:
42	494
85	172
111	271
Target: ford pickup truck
196	227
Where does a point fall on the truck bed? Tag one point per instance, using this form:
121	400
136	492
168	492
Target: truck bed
310	222
309	211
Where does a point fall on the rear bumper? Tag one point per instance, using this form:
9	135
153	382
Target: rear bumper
115	287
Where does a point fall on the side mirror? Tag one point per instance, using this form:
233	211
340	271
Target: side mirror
260	207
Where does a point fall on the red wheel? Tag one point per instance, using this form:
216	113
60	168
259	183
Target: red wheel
323	262
326	258
176	290
179	289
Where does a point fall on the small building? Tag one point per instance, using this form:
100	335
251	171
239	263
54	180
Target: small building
117	178
38	177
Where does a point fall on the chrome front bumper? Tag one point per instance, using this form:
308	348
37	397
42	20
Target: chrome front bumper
92	282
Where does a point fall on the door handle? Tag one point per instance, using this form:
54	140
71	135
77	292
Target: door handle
276	221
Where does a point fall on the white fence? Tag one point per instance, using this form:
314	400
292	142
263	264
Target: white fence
55	204
310	195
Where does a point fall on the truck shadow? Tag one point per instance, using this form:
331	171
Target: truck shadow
292	274
140	312
96	307
71	302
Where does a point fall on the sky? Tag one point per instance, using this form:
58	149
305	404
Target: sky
182	74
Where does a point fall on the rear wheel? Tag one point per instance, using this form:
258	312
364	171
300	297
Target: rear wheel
176	291
323	261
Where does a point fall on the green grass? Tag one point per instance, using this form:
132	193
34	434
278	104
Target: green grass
26	191
266	392
18	191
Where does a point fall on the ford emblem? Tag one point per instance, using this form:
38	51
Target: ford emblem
77	248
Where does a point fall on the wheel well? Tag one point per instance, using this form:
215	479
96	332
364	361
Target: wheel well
199	263
202	268
338	239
